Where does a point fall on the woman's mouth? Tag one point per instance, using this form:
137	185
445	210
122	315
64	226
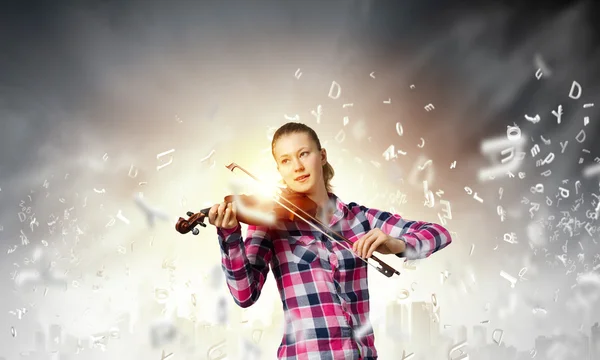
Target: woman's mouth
302	178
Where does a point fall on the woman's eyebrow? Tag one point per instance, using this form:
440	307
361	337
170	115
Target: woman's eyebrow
302	148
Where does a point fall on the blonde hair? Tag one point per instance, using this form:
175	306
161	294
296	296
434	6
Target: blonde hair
294	127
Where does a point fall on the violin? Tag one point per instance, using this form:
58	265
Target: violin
256	205
289	205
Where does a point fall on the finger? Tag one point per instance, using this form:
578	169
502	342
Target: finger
356	245
234	209
212	214
220	213
369	238
227	216
234	218
360	244
380	240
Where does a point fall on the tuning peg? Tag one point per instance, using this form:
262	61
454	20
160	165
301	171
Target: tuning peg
202	224
189	213
195	231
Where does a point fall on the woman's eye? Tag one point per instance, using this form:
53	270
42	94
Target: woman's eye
302	153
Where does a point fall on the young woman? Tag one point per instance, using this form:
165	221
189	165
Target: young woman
322	283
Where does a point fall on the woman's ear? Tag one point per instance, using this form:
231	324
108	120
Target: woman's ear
323	157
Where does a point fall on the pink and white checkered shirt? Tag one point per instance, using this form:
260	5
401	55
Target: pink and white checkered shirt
322	284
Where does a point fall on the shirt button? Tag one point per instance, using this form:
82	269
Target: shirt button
333	260
348	318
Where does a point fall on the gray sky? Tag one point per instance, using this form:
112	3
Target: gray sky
135	79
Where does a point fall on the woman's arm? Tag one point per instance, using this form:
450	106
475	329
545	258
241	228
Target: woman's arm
413	239
245	263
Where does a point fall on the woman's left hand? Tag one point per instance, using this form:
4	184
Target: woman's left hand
377	240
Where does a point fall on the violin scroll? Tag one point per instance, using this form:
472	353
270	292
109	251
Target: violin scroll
184	226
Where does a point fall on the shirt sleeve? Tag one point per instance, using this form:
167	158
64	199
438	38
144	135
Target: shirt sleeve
421	238
245	263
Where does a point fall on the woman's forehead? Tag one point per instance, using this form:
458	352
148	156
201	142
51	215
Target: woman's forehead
293	141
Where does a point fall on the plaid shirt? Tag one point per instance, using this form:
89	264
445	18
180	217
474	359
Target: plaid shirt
322	284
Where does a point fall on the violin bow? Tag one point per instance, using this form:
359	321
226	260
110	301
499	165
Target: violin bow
384	268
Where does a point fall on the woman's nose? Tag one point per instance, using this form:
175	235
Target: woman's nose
298	165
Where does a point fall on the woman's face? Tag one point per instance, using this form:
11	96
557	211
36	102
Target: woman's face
296	156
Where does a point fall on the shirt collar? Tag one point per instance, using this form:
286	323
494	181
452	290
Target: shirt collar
340	209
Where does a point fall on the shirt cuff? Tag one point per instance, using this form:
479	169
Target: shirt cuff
226	233
402	254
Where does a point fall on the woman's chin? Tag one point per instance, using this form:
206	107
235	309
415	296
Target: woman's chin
301	189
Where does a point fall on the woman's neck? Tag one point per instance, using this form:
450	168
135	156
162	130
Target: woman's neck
320	196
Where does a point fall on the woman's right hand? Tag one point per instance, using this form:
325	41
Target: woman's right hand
223	215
